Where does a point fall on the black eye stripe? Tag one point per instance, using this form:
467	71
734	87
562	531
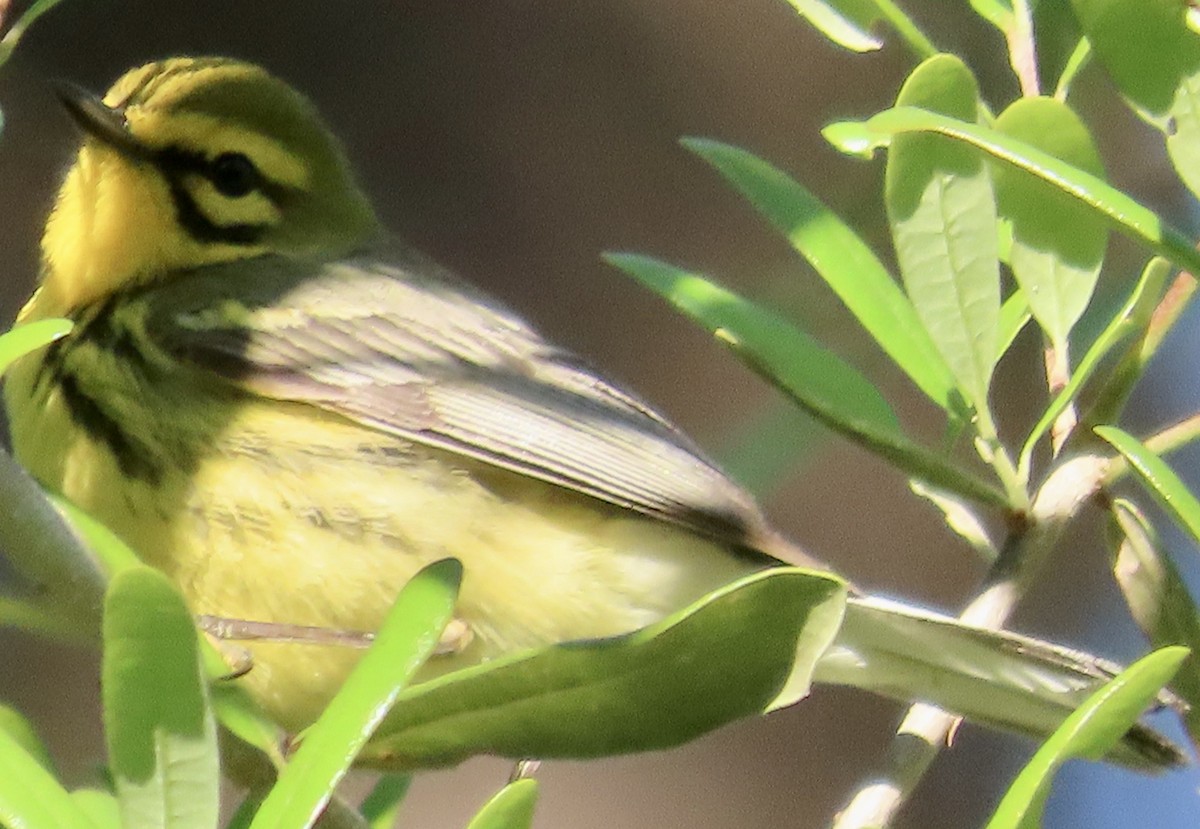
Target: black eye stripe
176	162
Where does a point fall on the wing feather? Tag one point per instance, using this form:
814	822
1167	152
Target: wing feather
399	345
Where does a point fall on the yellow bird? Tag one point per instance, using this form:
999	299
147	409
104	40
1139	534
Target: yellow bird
289	413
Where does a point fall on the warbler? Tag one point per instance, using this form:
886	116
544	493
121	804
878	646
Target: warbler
289	412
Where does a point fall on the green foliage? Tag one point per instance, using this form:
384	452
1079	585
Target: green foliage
1090	732
996	222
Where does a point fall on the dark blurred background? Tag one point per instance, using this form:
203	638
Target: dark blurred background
516	141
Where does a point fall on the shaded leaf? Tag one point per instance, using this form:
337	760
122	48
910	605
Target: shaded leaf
1058	243
162	741
1158	599
734	653
382	803
1134	315
942	213
407	637
1090	732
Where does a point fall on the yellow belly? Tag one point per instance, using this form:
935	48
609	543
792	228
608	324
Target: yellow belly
295	516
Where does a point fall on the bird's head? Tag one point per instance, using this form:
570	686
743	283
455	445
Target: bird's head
188	162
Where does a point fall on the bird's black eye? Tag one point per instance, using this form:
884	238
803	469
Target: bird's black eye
233	174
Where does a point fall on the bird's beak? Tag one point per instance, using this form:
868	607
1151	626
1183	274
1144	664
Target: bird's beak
99	120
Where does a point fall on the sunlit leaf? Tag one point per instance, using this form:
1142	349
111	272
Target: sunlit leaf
510	808
1090	732
1158	479
29	337
843	260
162	739
405	640
818	381
847	23
942	211
731	655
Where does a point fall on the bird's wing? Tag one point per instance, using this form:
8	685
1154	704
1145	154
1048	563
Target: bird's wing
401	346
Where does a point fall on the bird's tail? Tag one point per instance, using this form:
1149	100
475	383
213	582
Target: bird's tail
999	679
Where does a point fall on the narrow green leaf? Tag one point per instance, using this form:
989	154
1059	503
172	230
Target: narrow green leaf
21	730
843	260
997	12
29	337
162	739
112	553
100	807
1090	732
510	808
847	23
1158	479
1158	599
1134	315
383	802
30	796
818	381
405	640
1154	318
942	211
55	580
825	385
1014	315
725	657
17	31
1123	213
960	517
1058	243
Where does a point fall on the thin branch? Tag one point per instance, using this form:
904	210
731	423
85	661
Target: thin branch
925	729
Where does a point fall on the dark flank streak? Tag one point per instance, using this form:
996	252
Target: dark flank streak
88	412
133	459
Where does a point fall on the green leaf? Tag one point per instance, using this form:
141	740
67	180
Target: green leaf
1145	45
1154	317
510	808
1058	243
16	726
162	740
100	807
847	23
1158	479
816	380
405	640
997	12
382	804
942	212
1158	599
746	647
15	33
30	796
1122	213
56	584
1090	732
1134	315
114	555
29	337
1014	315
843	260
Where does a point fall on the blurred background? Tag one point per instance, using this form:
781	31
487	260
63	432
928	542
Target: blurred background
517	140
